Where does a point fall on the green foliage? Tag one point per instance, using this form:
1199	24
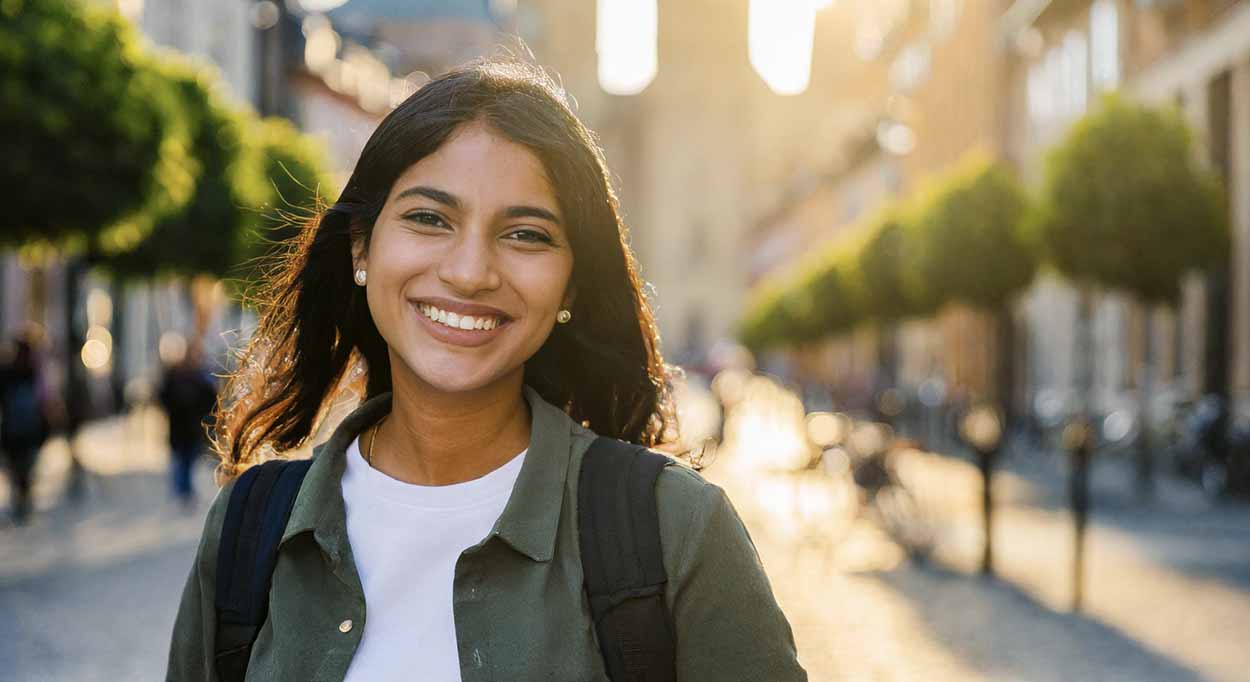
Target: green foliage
825	296
88	135
297	183
1126	205
883	258
201	237
963	241
968	243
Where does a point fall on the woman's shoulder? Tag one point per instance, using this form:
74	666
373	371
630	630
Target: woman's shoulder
679	485
696	516
216	516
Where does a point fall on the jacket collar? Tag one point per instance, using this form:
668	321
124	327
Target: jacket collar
528	523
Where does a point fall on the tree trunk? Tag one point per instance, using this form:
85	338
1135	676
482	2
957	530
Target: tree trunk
1215	375
1145	389
887	367
1005	367
75	387
117	378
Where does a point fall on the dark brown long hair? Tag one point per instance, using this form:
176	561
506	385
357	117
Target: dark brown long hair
604	368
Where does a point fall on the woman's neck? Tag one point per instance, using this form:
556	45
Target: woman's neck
436	438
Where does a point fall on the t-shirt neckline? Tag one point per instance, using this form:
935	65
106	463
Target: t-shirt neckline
471	493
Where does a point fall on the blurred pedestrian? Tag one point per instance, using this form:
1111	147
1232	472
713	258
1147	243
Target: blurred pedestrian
24	424
187	393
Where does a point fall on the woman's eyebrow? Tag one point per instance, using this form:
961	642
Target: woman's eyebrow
445	198
531	212
450	200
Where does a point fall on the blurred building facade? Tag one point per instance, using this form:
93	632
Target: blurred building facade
1194	55
1009	78
929	91
699	153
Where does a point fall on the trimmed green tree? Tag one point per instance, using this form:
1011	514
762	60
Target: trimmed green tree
970	246
90	135
93	146
201	236
1127	206
824	297
887	297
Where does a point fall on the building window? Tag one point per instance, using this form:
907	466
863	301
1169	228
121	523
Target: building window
1047	102
1040	96
1075	76
1104	45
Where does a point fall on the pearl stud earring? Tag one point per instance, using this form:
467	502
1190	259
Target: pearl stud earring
361	276
563	316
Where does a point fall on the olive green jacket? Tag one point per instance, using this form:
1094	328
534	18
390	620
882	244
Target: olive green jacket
520	608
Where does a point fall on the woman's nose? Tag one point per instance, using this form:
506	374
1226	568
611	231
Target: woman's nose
469	266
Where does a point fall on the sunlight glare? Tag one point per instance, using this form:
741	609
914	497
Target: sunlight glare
625	39
779	41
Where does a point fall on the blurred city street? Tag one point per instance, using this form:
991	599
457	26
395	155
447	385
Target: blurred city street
952	296
92	589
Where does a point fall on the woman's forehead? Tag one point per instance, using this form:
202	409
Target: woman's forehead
479	164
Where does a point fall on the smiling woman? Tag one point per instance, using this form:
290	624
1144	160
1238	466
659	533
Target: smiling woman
476	267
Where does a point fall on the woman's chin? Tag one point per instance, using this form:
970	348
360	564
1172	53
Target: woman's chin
456	377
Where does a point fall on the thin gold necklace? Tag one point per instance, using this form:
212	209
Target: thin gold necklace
373	439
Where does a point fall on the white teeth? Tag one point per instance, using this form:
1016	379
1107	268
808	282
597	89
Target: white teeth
466	322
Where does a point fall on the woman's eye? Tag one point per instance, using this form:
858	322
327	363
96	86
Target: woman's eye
426	218
531	237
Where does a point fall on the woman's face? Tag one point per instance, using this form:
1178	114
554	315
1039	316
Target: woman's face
473	230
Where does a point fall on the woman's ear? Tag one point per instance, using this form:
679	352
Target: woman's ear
569	298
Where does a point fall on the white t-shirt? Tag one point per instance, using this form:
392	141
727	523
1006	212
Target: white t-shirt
406	539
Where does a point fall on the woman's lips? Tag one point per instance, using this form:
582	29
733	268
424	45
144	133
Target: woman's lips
456	336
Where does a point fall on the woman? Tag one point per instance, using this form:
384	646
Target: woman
477	265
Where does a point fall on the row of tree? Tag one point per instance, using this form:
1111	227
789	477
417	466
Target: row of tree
1125	204
133	159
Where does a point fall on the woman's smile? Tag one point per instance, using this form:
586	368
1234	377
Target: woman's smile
460	330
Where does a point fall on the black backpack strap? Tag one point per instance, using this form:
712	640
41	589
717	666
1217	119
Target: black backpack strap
256	517
622	560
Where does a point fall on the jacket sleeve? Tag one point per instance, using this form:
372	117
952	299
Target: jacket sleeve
728	625
191	646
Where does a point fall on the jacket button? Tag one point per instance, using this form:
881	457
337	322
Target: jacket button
346	626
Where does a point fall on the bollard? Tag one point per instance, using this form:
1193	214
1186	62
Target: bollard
982	428
1076	440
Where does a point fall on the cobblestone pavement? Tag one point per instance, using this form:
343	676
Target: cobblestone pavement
91	590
